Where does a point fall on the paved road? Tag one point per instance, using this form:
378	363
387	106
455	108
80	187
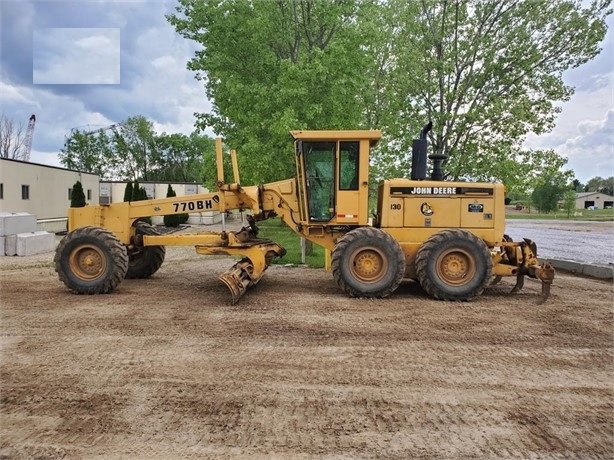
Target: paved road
582	241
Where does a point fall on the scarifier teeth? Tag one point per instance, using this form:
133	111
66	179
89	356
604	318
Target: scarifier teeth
546	275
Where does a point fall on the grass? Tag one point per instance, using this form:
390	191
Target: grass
276	230
599	215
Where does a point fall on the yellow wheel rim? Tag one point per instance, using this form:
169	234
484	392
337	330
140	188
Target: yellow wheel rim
87	262
368	264
456	267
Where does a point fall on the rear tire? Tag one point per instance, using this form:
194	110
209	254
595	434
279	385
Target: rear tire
454	265
368	262
91	260
144	261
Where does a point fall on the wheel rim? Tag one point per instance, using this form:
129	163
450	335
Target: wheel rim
87	262
456	267
368	264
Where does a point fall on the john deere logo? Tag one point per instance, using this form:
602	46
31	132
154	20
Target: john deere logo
426	209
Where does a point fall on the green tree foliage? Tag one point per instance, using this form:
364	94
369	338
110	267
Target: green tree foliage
174	220
89	152
128	192
139	194
599	184
547	193
569	201
77	197
577	185
181	158
487	72
270	67
132	150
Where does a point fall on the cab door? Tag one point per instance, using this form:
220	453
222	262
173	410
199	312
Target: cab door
348	195
318	160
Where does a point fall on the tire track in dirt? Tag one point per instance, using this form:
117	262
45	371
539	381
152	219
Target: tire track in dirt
166	368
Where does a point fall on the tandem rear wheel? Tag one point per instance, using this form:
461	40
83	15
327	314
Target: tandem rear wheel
368	262
454	265
144	261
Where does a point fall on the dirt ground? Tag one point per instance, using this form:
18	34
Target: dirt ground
166	368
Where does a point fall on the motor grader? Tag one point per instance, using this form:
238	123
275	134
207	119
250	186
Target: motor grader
450	236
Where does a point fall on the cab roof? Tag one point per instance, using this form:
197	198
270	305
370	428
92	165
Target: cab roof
372	134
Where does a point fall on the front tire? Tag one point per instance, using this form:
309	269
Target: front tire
144	261
368	262
91	260
454	265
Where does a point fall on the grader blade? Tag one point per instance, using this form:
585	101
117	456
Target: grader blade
257	256
239	278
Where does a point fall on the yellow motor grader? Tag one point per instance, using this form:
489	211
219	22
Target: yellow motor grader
450	236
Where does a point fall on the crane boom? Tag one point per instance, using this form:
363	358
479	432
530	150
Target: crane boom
27	145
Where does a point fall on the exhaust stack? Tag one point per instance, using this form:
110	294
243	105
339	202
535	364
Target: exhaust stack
418	154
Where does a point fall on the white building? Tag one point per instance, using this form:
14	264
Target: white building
594	200
43	191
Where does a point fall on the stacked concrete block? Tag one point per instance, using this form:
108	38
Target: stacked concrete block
18	235
15	223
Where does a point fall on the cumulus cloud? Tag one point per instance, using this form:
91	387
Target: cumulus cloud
584	128
59	56
76	56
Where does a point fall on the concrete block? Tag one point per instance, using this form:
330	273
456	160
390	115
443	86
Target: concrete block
10	245
2	243
205	218
15	223
567	265
29	244
599	271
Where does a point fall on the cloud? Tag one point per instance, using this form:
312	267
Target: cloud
591	152
76	56
584	130
58	40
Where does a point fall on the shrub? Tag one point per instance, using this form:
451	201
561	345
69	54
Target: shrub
77	197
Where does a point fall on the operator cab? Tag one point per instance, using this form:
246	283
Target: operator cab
333	175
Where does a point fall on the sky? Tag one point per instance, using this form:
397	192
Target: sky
88	64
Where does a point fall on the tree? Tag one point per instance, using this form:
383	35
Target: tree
599	184
89	152
12	137
140	194
128	192
77	197
182	158
137	195
546	194
569	201
134	148
174	220
270	67
487	72
577	186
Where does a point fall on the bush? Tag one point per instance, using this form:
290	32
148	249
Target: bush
128	192
139	194
77	197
